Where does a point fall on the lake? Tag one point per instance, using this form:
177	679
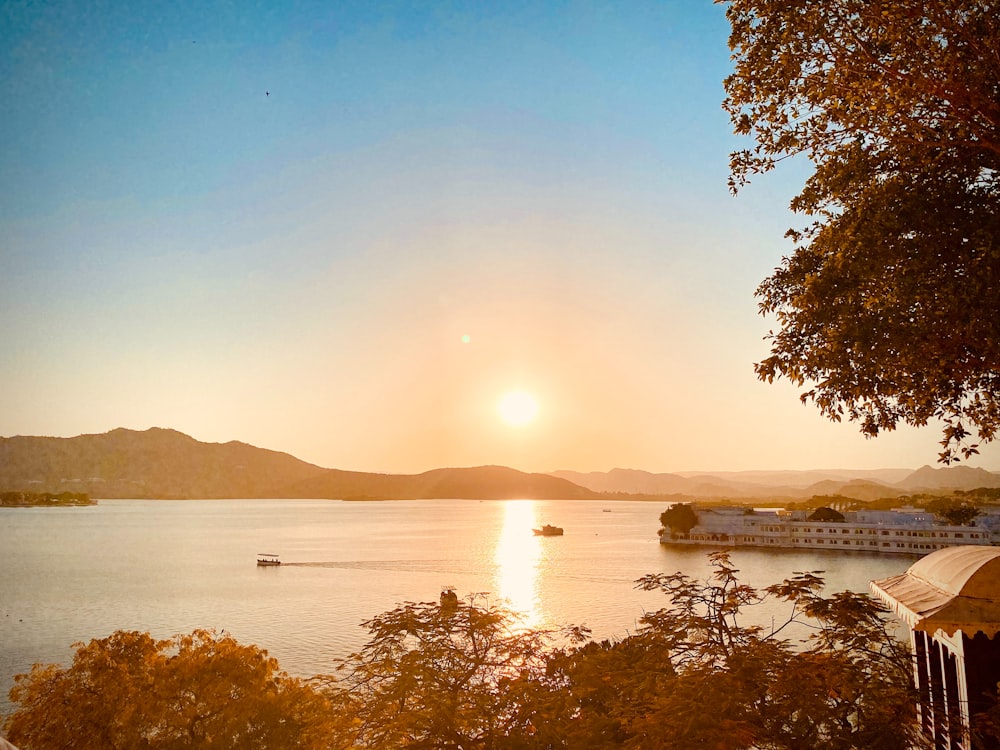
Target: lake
168	567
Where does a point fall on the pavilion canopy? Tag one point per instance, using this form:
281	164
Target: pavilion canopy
956	588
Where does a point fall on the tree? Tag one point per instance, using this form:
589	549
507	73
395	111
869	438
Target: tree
742	685
888	307
595	695
469	675
680	518
985	725
826	514
696	675
952	510
202	690
434	676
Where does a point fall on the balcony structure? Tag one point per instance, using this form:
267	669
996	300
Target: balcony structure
950	600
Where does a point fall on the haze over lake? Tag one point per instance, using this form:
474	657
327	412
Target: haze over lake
168	567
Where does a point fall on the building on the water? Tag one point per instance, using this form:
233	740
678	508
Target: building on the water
950	600
907	531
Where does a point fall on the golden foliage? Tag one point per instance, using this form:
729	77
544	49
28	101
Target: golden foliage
201	690
889	307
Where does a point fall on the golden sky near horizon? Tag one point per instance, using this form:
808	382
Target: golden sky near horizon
346	232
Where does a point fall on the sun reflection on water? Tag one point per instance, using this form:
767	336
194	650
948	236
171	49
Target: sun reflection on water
518	554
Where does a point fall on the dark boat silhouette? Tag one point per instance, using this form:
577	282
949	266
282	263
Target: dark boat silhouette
548	530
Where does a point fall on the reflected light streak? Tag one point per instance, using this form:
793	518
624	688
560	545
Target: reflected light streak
517	557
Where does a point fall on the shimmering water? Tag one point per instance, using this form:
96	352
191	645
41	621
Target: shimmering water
167	567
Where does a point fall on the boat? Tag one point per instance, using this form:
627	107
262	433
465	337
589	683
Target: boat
266	559
449	599
548	530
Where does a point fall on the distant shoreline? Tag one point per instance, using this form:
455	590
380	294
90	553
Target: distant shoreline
45	500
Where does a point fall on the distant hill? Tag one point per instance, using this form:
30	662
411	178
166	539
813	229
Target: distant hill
155	463
632	481
954	477
859	484
161	463
477	483
716	484
805	478
858	489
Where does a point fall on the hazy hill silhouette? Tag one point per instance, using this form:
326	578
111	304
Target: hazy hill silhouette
477	483
162	463
955	477
155	463
862	484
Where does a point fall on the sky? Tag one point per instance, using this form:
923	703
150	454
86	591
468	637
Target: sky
347	231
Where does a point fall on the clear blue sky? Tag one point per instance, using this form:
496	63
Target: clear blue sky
346	230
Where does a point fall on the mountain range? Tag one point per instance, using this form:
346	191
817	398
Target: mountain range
164	463
861	484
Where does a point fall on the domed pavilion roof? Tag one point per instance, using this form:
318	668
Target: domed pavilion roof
956	588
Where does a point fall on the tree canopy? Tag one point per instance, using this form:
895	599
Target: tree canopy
888	308
743	685
202	690
702	671
827	514
680	518
697	674
438	676
953	510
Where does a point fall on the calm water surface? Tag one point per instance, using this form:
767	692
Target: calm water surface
167	567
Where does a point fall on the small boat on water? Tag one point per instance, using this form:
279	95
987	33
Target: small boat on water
449	599
548	530
266	559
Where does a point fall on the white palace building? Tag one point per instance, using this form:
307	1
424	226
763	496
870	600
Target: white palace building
906	531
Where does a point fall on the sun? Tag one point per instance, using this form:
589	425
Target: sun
517	408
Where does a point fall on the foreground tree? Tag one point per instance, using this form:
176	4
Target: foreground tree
889	307
741	685
468	674
696	675
450	675
985	727
201	690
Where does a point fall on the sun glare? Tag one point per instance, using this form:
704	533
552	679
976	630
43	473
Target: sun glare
518	558
517	408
